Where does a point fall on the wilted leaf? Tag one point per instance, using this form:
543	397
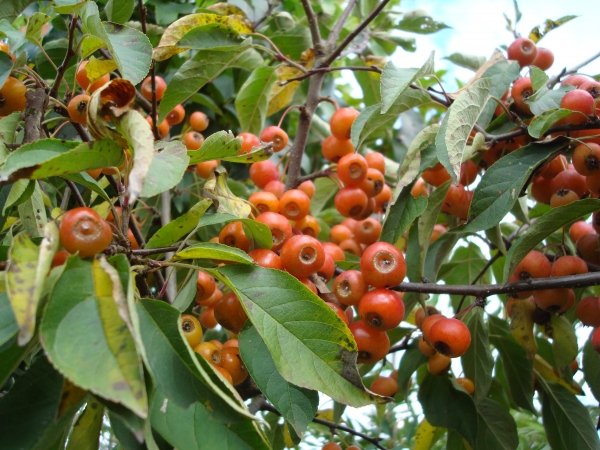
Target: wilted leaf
178	29
564	342
522	326
86	431
82	309
217	190
540	31
33	32
549	373
281	96
32	213
214	36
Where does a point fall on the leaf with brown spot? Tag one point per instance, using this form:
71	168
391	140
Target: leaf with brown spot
282	96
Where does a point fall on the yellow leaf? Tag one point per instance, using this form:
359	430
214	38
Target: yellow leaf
217	190
545	370
425	435
97	68
521	326
90	44
226	9
174	32
27	270
282	96
326	414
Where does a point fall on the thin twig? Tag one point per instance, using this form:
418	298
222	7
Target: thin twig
152	251
491	261
319	174
76	193
313	23
65	63
272	6
485	290
339	25
573	69
311	72
348	39
280	56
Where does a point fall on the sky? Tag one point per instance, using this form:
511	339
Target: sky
478	27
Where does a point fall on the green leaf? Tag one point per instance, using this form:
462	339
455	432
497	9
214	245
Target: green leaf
127	439
517	367
219	145
478	362
369	83
20	192
166	170
214	36
258	233
10	9
564	342
54	157
417	21
325	190
573	421
497	429
6	66
8	323
180	227
394	81
458	123
543	227
538	78
445	405
8	127
467	61
213	250
292	41
297	405
68	6
401	214
311	346
251	101
390	42
502	183
410	362
411	164
86	431
591	368
87	181
129	47
187	293
200	426
203	68
30	407
502	74
33	32
187	379
371	119
119	11
32	213
540	124
82	309
427	221
546	99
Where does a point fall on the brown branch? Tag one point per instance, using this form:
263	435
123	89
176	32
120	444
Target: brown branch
272	6
348	39
312	72
35	107
313	23
572	70
479	275
265	406
339	25
75	192
152	251
485	290
319	174
65	63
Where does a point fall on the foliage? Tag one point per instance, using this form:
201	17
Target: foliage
93	353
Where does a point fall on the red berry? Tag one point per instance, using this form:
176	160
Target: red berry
383	265
522	50
83	230
450	337
381	309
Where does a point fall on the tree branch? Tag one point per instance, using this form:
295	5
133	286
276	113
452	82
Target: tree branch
348	39
272	6
485	290
311	72
65	63
313	23
75	192
35	107
339	25
572	70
